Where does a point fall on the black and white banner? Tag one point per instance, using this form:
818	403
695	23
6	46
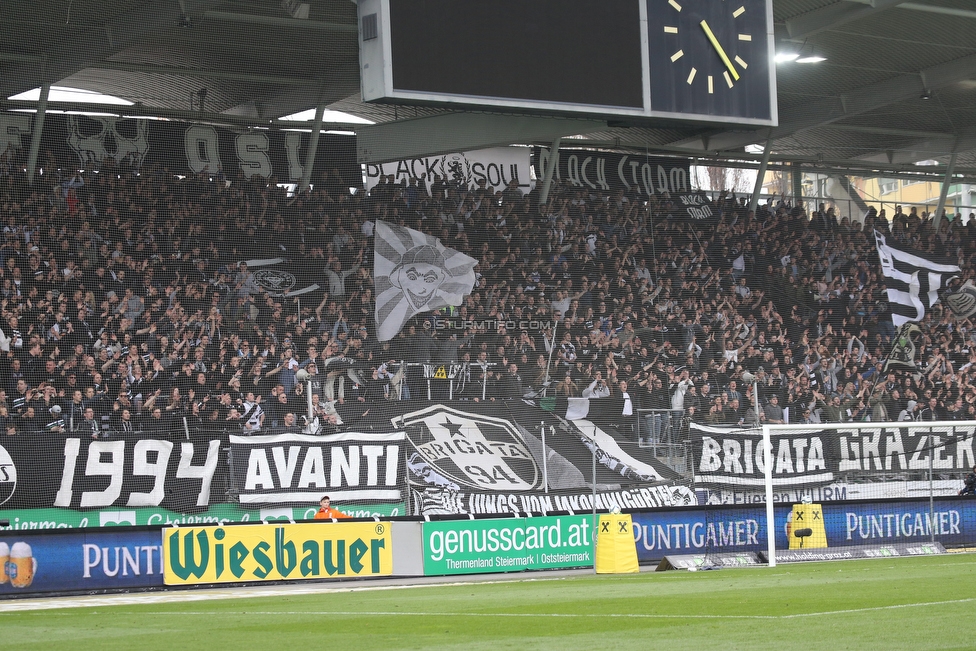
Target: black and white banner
126	471
728	457
645	175
696	207
913	279
281	277
447	501
472	457
184	148
732	459
292	467
496	167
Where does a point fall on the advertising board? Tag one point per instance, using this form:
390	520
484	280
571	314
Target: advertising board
743	529
93	560
246	553
505	545
54	518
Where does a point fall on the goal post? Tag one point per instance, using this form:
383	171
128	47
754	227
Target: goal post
841	490
901	482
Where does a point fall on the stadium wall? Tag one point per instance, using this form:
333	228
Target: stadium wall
99	559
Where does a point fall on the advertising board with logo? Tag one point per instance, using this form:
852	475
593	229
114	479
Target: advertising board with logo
507	545
91	560
245	553
43	519
742	528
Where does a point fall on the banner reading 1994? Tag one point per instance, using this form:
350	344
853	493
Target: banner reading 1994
274	553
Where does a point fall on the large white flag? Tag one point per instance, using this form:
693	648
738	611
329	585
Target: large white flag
914	280
413	273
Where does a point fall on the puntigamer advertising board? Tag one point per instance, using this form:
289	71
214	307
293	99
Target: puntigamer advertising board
510	544
741	529
33	561
193	555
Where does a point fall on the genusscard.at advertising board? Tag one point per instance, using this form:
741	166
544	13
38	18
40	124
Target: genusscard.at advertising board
509	544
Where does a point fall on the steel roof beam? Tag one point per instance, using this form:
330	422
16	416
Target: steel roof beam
277	21
819	20
454	132
135	111
925	148
93	44
206	74
831	109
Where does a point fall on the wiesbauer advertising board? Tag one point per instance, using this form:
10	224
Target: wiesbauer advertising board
230	554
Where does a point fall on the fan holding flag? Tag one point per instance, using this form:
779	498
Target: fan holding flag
415	273
914	281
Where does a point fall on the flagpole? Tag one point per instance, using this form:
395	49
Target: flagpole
552	349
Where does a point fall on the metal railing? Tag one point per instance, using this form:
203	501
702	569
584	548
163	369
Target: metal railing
665	432
849	207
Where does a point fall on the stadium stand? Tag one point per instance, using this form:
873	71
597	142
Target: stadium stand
132	288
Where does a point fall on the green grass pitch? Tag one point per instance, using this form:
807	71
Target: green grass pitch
914	603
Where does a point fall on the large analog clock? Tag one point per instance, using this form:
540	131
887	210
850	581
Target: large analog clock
711	58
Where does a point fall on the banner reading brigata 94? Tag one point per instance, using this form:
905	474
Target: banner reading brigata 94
484	458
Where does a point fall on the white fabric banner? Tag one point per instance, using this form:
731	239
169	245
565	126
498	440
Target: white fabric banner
498	166
415	273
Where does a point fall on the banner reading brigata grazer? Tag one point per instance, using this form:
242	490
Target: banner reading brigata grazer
274	553
295	468
730	458
510	544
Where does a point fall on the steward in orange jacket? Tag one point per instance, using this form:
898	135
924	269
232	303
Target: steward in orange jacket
329	513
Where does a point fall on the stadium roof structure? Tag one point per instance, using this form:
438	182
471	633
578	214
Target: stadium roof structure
898	85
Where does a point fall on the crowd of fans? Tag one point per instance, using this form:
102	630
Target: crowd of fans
127	304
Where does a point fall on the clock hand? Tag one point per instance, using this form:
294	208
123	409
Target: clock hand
718	48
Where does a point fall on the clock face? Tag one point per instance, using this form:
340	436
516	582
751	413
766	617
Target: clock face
710	58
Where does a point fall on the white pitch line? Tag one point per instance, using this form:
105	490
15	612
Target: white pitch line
353	613
386	613
256	592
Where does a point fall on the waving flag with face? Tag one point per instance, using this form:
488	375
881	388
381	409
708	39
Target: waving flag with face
415	273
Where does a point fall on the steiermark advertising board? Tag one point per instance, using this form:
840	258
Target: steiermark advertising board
53	518
505	545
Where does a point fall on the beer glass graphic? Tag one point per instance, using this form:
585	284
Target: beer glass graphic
4	558
21	566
